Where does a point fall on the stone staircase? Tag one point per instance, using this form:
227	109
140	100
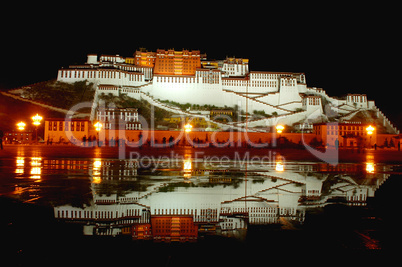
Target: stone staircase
251	99
139	94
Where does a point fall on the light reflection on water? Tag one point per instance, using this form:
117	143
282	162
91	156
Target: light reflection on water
183	200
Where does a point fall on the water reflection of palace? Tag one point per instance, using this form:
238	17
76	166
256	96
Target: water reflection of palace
183	204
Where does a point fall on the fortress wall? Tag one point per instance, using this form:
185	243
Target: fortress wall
184	138
101	76
194	93
288	94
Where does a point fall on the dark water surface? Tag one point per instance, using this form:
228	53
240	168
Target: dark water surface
186	211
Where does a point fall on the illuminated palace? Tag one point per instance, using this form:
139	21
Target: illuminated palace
189	77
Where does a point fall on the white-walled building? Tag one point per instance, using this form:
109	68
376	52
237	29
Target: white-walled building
234	67
209	85
358	100
312	103
221	83
112	117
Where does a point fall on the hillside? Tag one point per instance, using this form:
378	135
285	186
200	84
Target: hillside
370	117
60	94
13	111
65	95
144	108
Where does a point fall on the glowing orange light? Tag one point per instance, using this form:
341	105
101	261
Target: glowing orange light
370	129
187	167
279	128
188	127
36	119
97	165
370	168
98	126
21	126
279	167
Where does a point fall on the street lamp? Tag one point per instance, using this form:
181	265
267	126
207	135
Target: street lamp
279	128
370	129
21	126
98	128
36	121
188	127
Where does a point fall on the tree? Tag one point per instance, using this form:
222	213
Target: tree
391	142
386	142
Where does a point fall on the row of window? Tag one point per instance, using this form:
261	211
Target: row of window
342	130
348	127
234	82
174	211
185	60
111	58
133	126
111	115
311	101
264	83
230	82
357	198
85	214
311	192
72	126
175	79
288	82
342	133
231	67
357	98
251	209
22	134
92	74
264	75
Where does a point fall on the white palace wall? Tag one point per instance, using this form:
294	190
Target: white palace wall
222	85
273	92
206	87
288	91
263	82
235	85
185	89
272	98
102	76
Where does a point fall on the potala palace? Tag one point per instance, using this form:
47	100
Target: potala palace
188	77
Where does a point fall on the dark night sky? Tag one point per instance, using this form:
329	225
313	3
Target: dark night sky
340	48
